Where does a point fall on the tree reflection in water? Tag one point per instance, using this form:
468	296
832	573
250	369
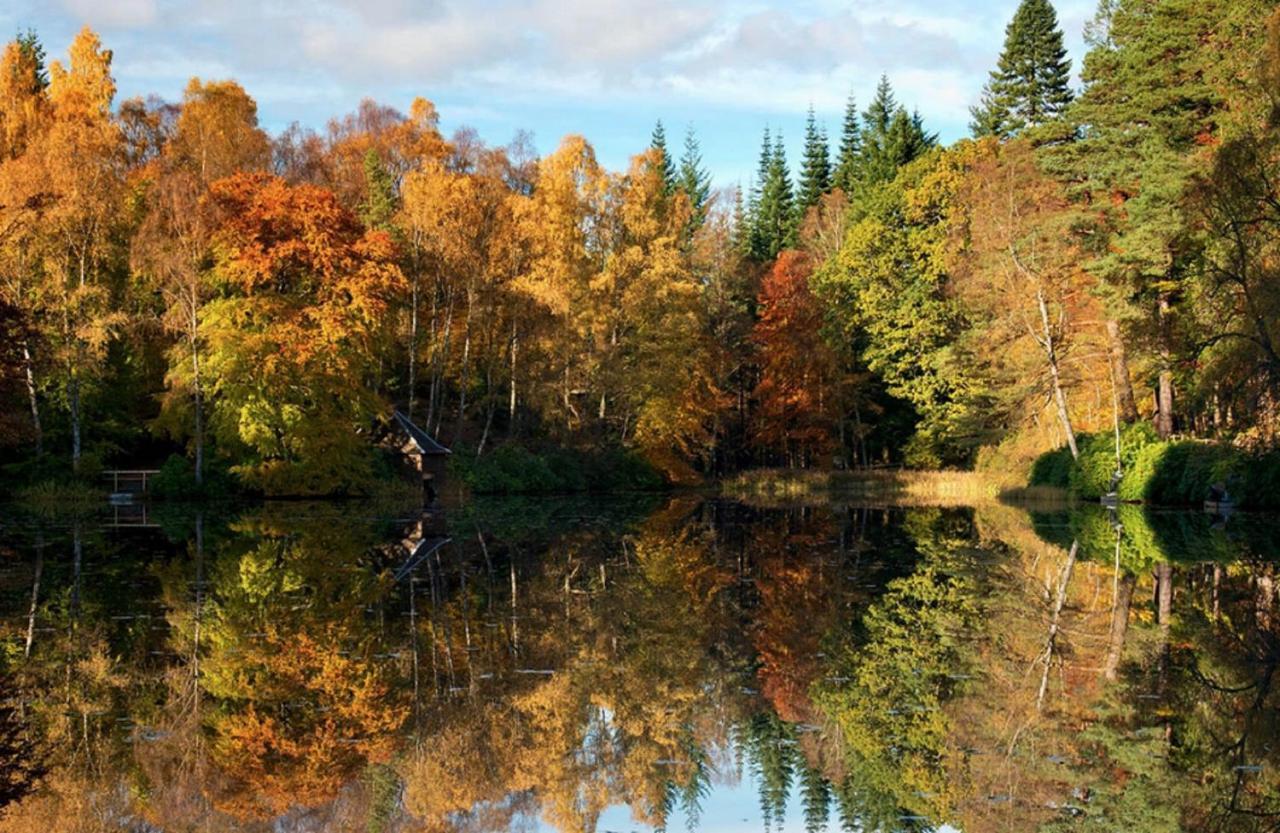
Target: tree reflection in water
318	667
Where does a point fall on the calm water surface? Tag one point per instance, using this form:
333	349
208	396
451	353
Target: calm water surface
639	664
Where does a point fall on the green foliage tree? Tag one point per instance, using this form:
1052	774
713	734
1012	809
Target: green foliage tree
846	169
815	166
773	223
658	141
890	137
379	205
889	303
694	180
1153	101
1031	83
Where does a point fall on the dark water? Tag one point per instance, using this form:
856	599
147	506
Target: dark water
639	664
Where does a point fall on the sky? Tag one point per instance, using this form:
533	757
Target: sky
607	69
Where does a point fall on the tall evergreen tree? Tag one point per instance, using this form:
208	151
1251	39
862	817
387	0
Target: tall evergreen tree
31	48
815	169
846	172
878	115
693	179
1031	83
773	218
741	241
379	204
757	238
658	141
1154	83
890	138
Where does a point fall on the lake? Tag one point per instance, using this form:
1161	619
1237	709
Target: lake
639	663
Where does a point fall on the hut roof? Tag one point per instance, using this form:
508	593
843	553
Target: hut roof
425	442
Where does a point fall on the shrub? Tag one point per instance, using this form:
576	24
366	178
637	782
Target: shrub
1260	477
513	469
1091	475
177	480
1052	468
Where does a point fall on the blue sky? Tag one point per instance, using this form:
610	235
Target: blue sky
604	68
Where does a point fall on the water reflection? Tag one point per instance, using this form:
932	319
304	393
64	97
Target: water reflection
672	664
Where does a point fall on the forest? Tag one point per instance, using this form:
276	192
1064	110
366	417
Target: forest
1094	271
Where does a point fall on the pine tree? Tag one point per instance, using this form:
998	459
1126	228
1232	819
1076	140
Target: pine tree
772	210
890	138
1031	83
741	240
658	141
379	204
694	180
846	172
815	170
880	112
758	244
33	51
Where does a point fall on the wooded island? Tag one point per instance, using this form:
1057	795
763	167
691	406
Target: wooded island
1090	282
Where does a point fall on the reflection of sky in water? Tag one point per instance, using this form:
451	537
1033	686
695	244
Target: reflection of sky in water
730	808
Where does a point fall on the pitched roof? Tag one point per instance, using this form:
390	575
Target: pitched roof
425	442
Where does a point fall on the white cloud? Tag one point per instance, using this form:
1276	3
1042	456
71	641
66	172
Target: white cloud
108	14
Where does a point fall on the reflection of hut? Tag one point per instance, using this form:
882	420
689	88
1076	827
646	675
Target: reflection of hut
422	456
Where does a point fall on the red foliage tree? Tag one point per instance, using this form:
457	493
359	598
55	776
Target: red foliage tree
795	397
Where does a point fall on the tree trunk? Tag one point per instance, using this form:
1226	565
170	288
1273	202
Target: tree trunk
1164	595
198	401
73	400
1164	393
35	597
463	378
1059	602
29	367
441	365
1124	382
1119	626
1164	405
1051	354
413	343
511	403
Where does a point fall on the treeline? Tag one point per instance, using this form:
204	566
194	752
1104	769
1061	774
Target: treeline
174	279
1090	259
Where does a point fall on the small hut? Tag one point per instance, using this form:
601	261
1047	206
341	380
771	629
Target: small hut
423	457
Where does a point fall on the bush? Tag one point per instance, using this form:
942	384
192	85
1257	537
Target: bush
514	469
1090	477
1053	468
1180	473
176	480
1261	481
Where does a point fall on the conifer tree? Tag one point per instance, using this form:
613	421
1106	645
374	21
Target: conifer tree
741	240
850	148
694	180
890	138
33	51
775	215
658	141
757	245
379	204
815	170
1031	83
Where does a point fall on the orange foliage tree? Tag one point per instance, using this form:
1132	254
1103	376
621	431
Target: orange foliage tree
796	396
302	291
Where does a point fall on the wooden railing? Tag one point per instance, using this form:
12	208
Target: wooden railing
133	480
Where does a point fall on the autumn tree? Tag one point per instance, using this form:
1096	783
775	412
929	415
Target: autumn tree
796	394
216	135
80	162
301	291
889	305
1020	276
